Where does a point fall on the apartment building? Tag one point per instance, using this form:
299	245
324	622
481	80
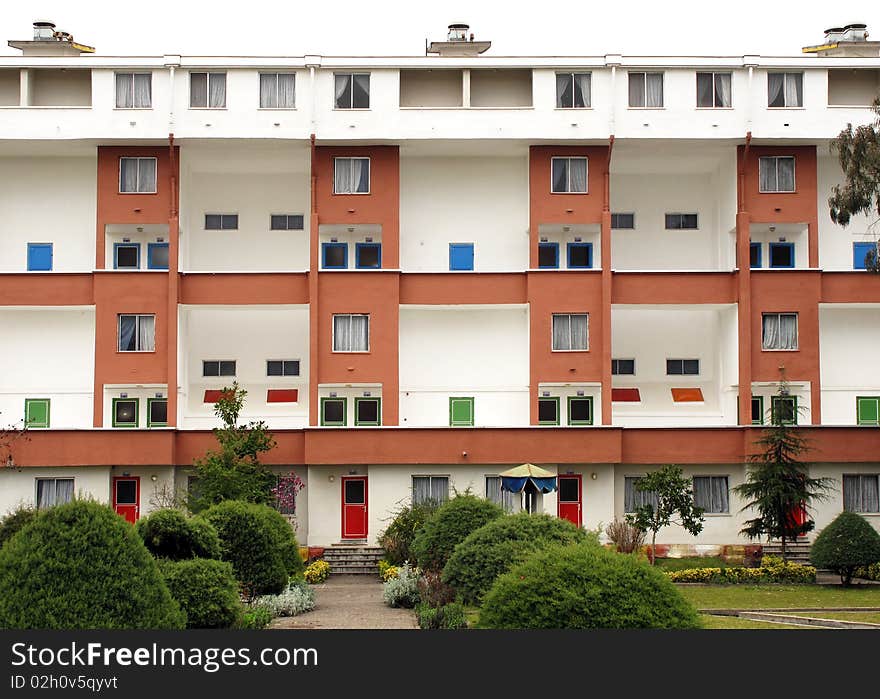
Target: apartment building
426	270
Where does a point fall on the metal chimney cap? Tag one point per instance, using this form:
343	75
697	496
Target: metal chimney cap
456	25
855	26
44	23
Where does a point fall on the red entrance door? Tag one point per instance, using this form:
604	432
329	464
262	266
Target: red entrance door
354	507
127	497
569	502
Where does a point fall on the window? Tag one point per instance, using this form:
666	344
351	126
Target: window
157	255
126	256
125	412
776	173
779	331
286	222
221	222
461	412
784	410
623	221
351	332
352	90
157	412
39	257
207	90
134	90
213	367
427	489
333	412
461	257
682	367
580	410
367	411
785	89
510	502
277	90
861	493
712	494
137	175
282	367
351	175
713	90
334	255
633	498
781	255
568	175
677	221
580	255
36	413
570	332
864	255
757	410
368	255
548	255
646	90
623	367
868	410
572	90
53	491
137	333
548	411
755	255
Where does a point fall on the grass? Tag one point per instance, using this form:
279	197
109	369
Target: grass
710	621
780	596
690	562
869	617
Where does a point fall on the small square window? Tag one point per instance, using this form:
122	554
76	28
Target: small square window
207	90
682	367
623	221
368	255
125	412
572	90
713	90
580	410
580	255
868	410
157	412
779	331
623	367
126	256
570	332
781	255
221	222
677	221
136	333
333	412
865	256
427	489
277	90
53	491
461	412
334	255
757	410
36	413
367	411
461	257
776	174
157	255
286	222
860	492
282	367
351	175
712	494
39	257
548	411
351	332
214	367
645	90
568	175
352	90
785	89
137	175
784	410
134	90
548	255
755	255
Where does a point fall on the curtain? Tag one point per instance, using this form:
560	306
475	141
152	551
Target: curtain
127	326
559	167
654	90
143	90
722	90
63	490
720	494
287	90
217	90
511	502
711	493
198	89
128	174
636	89
343	91
582	95
578	169
341	333
861	493
633	498
360	333
146	181
342	176
360	96
564	90
579	332
146	333
704	90
439	488
268	90
360	175
785	174
421	489
767	174
561	333
123	90
793	90
45	492
780	331
775	83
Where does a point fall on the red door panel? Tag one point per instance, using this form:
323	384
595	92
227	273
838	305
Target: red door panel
354	507
127	497
569	501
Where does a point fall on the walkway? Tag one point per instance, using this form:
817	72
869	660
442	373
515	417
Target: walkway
350	602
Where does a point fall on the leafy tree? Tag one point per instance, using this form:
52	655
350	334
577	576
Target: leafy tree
673	503
858	151
845	545
234	472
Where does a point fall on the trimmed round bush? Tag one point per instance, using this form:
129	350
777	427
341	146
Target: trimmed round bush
81	566
16	520
206	591
585	587
397	539
493	548
250	541
287	542
449	526
171	534
846	544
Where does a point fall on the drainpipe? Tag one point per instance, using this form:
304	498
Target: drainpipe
314	310
605	243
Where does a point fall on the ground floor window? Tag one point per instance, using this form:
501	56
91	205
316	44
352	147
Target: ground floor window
633	498
430	489
712	494
861	492
53	491
511	502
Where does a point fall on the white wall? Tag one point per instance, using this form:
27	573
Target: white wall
836	242
464	200
20	488
53	355
479	353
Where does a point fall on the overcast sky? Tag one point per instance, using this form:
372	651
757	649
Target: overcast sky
400	27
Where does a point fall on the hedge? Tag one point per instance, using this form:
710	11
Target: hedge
449	526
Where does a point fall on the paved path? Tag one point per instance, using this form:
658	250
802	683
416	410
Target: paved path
350	602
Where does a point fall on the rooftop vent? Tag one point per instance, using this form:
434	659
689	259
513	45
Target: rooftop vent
850	40
459	42
49	42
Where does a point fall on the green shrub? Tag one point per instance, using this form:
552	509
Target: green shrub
296	599
170	534
771	570
250	541
15	520
402	591
255	616
871	572
287	542
81	566
846	544
449	526
583	587
398	537
206	591
317	572
449	616
493	548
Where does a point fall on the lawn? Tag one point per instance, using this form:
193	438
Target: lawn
710	621
780	596
689	562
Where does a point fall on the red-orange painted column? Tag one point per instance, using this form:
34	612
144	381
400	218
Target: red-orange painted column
173	280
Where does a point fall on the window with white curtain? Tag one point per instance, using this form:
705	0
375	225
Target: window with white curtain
712	494
277	90
510	502
573	90
351	175
570	331
646	90
633	498
861	492
776	173
134	90
207	90
352	90
351	332
568	175
137	175
713	90
53	491
779	331
785	89
137	333
427	489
